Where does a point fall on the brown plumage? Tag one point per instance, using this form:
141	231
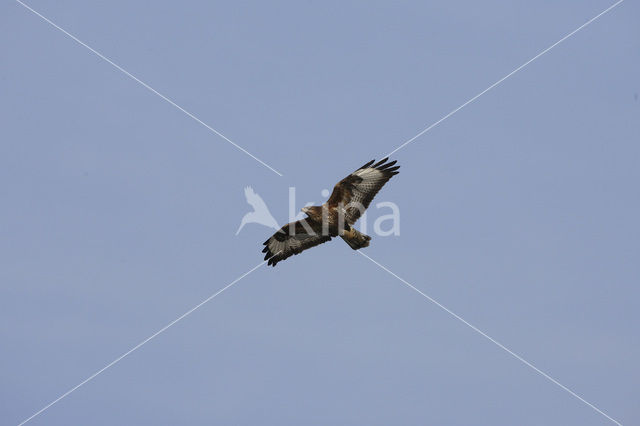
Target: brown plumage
348	201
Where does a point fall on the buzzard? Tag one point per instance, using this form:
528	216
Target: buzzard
348	201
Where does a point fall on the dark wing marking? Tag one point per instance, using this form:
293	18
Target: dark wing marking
360	187
283	244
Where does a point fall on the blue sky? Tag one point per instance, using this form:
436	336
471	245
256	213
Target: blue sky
519	213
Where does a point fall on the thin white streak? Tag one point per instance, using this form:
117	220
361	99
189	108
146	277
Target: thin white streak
500	345
505	77
128	74
163	329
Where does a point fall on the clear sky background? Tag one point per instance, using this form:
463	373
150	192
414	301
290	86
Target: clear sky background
520	213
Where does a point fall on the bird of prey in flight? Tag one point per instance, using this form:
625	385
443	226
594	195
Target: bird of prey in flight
348	201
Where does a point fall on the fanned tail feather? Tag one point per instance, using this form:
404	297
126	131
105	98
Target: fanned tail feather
356	239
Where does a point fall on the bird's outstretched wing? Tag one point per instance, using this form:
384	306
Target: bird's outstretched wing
356	191
283	244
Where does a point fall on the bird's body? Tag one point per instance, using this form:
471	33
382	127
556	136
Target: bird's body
348	201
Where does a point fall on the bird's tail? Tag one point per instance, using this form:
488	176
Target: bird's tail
355	239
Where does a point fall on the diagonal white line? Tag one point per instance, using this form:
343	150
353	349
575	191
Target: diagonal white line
145	85
505	77
500	345
136	347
